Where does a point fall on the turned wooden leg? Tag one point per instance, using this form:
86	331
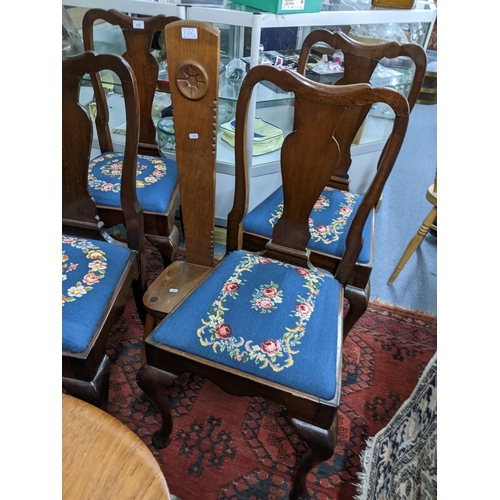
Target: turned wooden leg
152	381
166	245
94	392
414	244
321	444
358	302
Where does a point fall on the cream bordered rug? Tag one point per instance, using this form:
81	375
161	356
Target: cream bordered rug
400	461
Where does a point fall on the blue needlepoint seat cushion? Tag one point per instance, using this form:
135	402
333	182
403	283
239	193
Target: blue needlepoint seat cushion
329	221
156	180
263	317
90	272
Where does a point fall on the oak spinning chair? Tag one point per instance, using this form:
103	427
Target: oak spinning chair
97	271
194	66
157	183
269	324
336	206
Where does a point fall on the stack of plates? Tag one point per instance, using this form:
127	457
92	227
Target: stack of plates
266	137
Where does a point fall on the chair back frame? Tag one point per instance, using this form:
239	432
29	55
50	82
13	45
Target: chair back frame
194	76
138	41
78	207
308	156
360	60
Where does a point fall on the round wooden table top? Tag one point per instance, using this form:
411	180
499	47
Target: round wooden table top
104	459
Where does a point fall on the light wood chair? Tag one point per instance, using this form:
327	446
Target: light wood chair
103	458
427	224
269	324
331	217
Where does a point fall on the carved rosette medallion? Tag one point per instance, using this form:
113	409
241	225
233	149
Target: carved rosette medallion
192	80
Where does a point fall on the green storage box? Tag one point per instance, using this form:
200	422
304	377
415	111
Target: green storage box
283	6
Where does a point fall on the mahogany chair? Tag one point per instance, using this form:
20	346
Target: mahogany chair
157	183
97	271
194	69
335	207
269	324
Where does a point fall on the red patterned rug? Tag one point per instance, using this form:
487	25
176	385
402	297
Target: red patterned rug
225	447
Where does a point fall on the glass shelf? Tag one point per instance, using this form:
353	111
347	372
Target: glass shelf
243	30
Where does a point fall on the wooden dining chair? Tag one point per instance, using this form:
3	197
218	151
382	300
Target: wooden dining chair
157	182
97	271
330	218
194	68
270	324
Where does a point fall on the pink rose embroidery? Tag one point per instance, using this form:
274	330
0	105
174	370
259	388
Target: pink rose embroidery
270	292
262	260
223	331
322	229
302	271
90	279
271	346
304	308
346	211
319	203
107	187
264	303
231	287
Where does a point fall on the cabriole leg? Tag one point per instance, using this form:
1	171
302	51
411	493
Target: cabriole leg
153	382
321	444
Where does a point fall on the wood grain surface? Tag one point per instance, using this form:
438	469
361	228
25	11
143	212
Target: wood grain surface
104	459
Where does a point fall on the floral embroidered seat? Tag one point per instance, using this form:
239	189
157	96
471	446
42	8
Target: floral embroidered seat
270	324
91	270
266	318
157	180
329	221
335	208
97	271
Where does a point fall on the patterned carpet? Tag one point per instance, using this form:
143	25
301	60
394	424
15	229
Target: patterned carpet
224	447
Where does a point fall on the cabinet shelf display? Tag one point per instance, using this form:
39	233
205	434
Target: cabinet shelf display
251	36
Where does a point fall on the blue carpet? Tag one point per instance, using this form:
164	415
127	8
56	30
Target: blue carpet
403	208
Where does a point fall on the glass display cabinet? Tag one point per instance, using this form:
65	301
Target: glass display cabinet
250	37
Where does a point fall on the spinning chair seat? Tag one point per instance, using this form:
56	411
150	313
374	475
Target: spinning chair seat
329	221
156	181
91	270
227	319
